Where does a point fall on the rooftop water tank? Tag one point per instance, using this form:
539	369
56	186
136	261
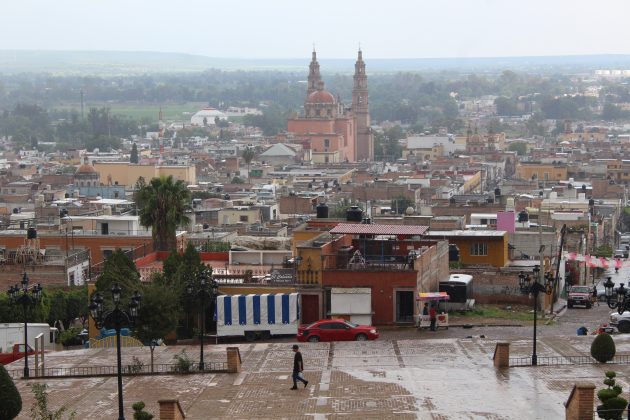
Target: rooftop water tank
322	211
354	214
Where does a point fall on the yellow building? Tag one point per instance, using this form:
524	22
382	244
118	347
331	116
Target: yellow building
541	171
125	173
477	246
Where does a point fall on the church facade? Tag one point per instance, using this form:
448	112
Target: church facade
330	131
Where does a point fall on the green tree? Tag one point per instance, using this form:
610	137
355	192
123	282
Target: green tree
134	154
401	203
121	269
163	205
237	180
158	313
67	305
519	147
248	156
507	106
10	399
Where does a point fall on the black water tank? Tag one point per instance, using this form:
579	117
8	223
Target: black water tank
354	214
366	221
31	233
523	217
497	192
322	211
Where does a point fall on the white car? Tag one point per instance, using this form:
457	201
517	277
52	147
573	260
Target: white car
620	321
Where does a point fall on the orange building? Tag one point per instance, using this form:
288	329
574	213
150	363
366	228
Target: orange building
330	131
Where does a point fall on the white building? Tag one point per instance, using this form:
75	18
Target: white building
209	114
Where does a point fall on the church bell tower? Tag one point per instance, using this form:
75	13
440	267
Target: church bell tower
360	108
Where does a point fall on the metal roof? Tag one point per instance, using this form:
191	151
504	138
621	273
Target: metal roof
360	229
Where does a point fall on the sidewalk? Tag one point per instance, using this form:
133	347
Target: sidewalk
408	379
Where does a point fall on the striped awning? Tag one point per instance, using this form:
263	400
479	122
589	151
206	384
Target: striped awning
433	296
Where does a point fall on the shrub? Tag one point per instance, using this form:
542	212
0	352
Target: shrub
10	399
40	410
136	366
603	348
613	405
139	413
183	363
70	337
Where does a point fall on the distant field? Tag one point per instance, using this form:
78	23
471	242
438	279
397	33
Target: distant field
170	111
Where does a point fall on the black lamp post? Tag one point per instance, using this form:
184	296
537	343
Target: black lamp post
117	319
616	298
296	263
25	297
534	290
523	282
201	293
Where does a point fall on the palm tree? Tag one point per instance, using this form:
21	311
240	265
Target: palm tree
163	203
248	155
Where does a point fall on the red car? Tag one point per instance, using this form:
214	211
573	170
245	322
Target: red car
336	330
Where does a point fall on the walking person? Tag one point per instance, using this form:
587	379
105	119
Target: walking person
298	367
433	317
595	298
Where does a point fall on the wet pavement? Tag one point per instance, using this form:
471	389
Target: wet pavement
437	378
407	374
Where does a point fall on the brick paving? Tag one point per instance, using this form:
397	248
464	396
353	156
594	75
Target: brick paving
434	379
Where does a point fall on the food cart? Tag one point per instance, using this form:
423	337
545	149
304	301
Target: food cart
423	321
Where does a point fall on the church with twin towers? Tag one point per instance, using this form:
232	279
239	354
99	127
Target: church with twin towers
329	131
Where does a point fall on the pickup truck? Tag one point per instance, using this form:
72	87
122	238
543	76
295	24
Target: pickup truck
620	321
15	354
579	295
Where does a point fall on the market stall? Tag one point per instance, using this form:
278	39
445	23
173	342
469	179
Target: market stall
432	298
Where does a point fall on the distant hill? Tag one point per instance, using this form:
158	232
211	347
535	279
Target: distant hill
120	62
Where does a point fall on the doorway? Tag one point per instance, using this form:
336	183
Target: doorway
310	309
404	306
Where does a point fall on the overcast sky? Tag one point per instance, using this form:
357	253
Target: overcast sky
288	28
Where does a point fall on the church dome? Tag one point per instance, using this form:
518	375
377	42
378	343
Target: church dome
321	97
85	169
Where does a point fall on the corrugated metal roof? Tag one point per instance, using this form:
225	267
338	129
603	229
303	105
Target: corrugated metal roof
361	229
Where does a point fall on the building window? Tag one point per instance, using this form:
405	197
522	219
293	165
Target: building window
479	249
244	218
326	143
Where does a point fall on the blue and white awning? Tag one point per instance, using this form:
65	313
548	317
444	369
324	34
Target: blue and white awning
257	309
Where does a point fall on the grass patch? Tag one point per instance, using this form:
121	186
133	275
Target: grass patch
517	313
177	112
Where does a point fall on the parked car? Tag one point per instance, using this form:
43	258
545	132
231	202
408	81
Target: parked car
580	295
620	321
620	253
336	330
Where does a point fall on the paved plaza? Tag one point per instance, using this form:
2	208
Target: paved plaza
403	379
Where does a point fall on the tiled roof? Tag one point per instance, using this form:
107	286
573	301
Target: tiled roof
360	229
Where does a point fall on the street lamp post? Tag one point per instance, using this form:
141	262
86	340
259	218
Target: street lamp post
534	290
201	293
117	319
296	262
25	297
616	298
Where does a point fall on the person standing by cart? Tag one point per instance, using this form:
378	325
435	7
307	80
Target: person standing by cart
433	317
